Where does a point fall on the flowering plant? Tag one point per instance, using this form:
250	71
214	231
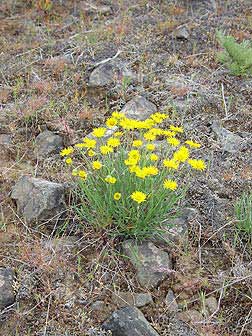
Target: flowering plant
126	183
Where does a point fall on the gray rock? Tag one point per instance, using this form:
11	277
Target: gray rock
177	327
191	315
93	331
240	269
122	299
47	143
176	229
152	264
211	305
91	8
181	33
109	73
5	139
39	200
171	302
7	295
129	321
98	306
229	141
139	108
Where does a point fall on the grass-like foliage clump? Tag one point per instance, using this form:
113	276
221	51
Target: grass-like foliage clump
236	56
125	184
243	213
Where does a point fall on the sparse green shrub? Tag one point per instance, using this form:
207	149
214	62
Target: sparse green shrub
125	185
243	213
237	57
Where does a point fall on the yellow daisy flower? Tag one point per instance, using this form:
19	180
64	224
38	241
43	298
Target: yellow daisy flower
131	162
159	117
91	153
111	122
172	164
69	161
150	170
66	151
118	115
82	174
156	131
106	149
170	184
134	154
99	132
110	179
150	147
182	154
176	129
137	143
117	196
89	143
80	145
192	144
141	173
197	164
113	142
173	142
138	196
97	164
149	136
168	133
153	157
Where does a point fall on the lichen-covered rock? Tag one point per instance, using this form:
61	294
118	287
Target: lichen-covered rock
129	321
92	8
230	142
152	264
191	315
211	305
47	143
177	327
39	200
176	229
108	73
5	139
7	295
139	108
123	299
181	33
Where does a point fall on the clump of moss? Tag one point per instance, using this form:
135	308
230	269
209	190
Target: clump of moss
236	56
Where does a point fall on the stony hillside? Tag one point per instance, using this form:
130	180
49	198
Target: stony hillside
65	67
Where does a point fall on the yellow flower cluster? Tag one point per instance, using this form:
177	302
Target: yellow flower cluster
133	158
182	154
141	161
144	172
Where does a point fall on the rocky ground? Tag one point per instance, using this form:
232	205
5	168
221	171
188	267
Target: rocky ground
63	70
